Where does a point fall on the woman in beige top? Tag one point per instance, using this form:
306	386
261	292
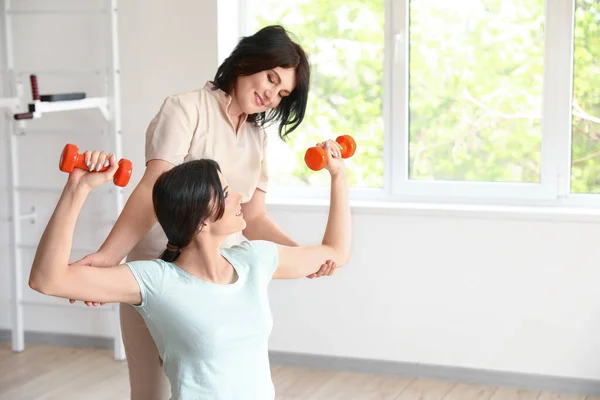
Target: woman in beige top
265	79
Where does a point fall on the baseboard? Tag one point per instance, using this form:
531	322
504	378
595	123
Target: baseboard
427	371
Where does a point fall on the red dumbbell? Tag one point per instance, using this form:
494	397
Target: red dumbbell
316	157
71	158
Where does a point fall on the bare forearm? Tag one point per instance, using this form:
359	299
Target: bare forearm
136	219
52	257
264	228
338	230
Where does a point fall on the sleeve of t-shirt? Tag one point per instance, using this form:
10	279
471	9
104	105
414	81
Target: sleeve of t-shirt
262	257
170	132
149	275
268	255
263	182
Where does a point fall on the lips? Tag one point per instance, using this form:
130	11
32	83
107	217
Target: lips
239	213
258	100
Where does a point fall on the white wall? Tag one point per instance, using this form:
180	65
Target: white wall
165	48
478	290
502	293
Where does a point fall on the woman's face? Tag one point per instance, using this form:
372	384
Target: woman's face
232	220
264	90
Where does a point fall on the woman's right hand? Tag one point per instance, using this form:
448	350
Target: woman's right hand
95	160
97	259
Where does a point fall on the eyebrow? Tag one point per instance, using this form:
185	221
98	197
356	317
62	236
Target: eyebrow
279	81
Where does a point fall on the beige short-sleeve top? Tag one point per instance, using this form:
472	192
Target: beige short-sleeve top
196	125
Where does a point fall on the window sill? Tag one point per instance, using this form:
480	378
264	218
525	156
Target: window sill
558	213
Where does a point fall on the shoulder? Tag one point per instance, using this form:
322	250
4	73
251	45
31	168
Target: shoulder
147	266
262	246
153	272
186	100
154	263
255	251
253	246
149	275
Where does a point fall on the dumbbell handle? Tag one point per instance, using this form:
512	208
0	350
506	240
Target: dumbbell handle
71	158
316	157
80	163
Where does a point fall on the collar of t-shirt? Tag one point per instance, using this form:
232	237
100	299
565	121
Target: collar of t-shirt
225	101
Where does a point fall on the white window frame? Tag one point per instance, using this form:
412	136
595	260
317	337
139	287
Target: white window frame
555	176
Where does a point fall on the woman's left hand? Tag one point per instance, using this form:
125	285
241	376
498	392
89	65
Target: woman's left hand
335	162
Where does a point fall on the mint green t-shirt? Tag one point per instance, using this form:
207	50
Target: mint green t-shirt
213	338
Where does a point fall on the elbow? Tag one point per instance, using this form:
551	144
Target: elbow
36	284
339	254
40	284
345	258
342	257
345	254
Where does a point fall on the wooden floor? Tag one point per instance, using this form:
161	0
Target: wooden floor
47	372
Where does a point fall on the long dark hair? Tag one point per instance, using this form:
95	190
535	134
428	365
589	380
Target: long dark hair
268	48
183	198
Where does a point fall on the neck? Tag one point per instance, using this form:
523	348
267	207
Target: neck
202	258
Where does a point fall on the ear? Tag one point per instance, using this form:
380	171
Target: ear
203	227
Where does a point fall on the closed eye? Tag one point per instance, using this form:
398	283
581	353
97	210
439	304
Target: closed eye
272	80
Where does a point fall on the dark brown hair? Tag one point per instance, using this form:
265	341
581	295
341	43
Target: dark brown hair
184	197
268	48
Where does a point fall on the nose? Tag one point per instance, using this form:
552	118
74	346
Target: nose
271	102
267	96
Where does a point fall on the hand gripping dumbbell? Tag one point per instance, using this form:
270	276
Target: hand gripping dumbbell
316	157
71	158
